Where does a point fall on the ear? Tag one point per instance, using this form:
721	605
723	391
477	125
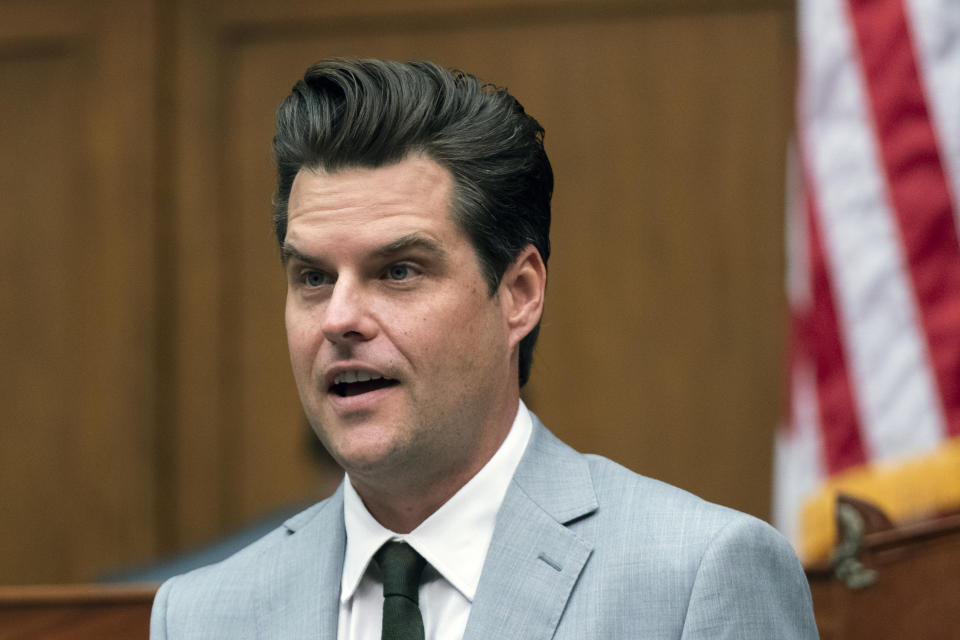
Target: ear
522	291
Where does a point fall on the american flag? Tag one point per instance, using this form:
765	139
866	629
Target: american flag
873	274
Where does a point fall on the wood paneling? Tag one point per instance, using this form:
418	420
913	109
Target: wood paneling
77	258
917	569
662	342
75	612
308	14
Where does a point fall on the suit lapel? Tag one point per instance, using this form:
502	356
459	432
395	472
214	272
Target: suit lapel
534	560
301	587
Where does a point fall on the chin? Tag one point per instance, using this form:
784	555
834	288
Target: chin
366	457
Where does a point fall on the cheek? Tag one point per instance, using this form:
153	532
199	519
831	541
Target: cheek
300	342
473	332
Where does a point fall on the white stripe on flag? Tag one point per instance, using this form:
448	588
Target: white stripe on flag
935	28
876	309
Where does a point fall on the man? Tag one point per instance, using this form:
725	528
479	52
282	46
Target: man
412	211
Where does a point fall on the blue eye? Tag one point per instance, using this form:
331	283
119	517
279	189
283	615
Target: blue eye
314	278
398	272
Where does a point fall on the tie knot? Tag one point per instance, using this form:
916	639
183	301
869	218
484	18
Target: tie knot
400	566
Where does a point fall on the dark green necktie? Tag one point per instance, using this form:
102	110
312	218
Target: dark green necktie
400	568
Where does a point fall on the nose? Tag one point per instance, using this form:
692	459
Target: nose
347	316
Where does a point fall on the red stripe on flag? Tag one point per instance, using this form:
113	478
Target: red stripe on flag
820	334
919	191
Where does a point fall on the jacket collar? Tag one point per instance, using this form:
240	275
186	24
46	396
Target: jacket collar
534	558
300	585
533	561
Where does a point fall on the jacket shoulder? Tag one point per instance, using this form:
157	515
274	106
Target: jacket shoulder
670	527
220	595
728	570
643	498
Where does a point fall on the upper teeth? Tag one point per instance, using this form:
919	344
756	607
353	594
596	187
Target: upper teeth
356	376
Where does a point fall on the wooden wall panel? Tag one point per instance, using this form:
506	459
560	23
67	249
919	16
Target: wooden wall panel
662	342
77	258
195	481
75	612
312	14
666	124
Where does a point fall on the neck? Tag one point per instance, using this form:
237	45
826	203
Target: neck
403	511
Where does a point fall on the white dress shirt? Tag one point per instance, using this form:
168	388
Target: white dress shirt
454	541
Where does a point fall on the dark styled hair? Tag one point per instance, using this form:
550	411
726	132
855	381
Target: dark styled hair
372	113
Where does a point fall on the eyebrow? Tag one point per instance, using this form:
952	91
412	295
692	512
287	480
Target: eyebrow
413	240
288	251
410	241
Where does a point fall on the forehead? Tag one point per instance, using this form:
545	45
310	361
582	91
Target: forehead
416	189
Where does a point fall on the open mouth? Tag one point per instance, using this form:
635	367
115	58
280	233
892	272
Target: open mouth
353	383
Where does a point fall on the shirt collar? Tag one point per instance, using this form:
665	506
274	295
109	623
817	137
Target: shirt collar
455	538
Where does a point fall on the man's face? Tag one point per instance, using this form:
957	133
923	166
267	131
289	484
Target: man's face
401	357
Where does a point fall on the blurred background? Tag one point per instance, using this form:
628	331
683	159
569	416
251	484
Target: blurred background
146	402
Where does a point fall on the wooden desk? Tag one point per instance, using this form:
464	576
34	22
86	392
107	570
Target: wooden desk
917	588
75	612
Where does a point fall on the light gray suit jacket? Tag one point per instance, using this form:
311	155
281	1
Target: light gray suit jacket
583	548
